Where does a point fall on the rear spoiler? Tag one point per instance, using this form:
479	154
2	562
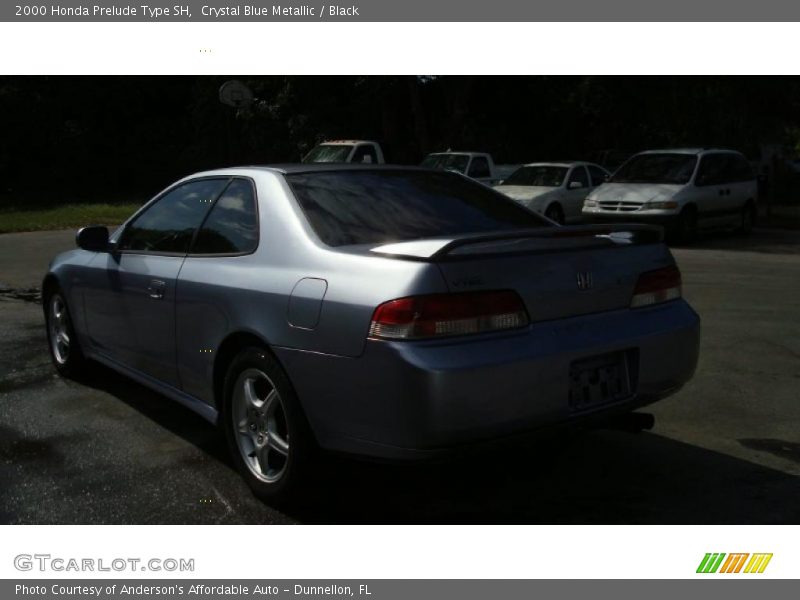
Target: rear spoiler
436	249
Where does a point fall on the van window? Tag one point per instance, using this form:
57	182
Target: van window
714	170
652	167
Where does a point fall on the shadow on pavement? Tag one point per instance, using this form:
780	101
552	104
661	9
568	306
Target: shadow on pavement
768	241
592	477
167	413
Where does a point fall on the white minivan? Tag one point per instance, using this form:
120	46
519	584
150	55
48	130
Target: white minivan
682	189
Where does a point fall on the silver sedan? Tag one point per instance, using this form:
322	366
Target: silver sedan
380	311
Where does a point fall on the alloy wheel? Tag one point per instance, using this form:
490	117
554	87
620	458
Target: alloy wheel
260	426
59	329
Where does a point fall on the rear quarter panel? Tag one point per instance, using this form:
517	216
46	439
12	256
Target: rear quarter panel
219	296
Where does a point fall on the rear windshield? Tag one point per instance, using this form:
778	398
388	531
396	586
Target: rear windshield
539	176
328	153
657	168
376	207
448	162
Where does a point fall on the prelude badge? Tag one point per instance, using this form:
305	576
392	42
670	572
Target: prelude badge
584	280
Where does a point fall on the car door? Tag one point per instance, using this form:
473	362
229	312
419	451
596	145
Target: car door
577	188
130	301
210	283
743	185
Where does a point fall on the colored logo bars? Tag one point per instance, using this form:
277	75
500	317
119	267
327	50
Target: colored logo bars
734	563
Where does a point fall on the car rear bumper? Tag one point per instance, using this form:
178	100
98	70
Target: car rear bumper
407	400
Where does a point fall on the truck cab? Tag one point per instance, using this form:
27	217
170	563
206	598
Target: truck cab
346	151
475	165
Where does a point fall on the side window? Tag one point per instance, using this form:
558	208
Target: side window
480	167
579	175
741	169
169	224
713	170
598	176
232	225
365	154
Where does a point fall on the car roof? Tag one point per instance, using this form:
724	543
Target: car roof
464	152
292	168
695	151
344	142
559	163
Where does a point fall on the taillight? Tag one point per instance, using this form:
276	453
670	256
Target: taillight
657	286
439	315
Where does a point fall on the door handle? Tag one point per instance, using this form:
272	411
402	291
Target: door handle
156	289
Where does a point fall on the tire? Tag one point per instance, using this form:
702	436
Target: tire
748	219
62	343
266	430
686	225
554	213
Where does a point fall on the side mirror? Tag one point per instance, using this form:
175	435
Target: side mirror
574	185
93	238
367	159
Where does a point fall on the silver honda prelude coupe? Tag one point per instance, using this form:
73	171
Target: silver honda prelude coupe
387	312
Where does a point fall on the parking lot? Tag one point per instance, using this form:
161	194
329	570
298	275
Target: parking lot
726	449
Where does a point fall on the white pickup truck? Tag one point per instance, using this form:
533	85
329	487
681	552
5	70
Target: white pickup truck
476	165
346	151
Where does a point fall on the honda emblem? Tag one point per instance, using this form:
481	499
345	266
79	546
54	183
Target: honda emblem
584	280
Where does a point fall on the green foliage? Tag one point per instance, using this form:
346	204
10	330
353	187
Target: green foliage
67	216
91	137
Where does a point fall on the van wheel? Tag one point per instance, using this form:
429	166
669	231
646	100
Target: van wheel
267	432
748	219
65	352
554	213
686	226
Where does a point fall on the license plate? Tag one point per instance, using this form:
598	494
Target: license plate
598	380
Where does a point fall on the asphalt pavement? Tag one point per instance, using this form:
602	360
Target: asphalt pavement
726	449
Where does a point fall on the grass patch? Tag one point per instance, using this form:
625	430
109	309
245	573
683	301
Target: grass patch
67	216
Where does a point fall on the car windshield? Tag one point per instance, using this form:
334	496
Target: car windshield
328	153
448	162
657	168
537	175
376	207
